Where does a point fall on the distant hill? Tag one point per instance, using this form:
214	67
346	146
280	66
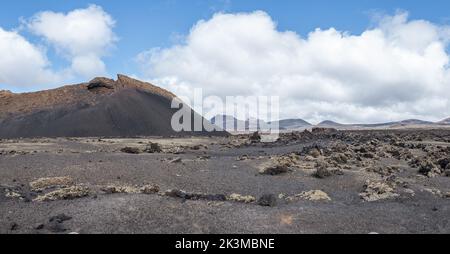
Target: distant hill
445	121
330	124
293	124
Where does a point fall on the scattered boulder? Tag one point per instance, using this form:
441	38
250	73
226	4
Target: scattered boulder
67	193
149	189
427	168
314	195
378	190
410	192
447	170
323	170
174	193
12	194
153	148
394	153
361	150
434	191
339	158
275	170
267	200
114	189
145	189
198	147
130	150
208	197
444	163
55	223
241	198
255	137
55	227
42	184
39	226
384	170
176	150
60	218
13	226
314	151
243	158
203	158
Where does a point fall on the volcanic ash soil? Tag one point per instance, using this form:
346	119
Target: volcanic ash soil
321	181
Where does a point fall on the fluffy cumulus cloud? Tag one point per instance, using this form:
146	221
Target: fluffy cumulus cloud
21	60
82	37
395	70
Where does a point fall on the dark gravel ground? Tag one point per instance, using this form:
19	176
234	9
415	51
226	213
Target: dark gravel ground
95	163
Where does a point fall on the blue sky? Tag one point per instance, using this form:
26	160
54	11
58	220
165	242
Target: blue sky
370	61
146	24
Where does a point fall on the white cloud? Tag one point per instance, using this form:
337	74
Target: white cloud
83	36
396	70
22	63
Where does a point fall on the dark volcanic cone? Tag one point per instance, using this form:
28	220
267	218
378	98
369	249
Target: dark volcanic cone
102	107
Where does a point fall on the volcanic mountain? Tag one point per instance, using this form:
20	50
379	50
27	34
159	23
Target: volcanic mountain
101	108
329	123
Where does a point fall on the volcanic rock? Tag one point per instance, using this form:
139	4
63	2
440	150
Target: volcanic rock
427	168
274	170
67	193
101	83
153	148
314	195
51	182
323	170
131	150
444	162
378	190
241	198
13	226
60	218
267	200
255	137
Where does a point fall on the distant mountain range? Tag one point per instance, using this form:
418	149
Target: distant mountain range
230	123
387	124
